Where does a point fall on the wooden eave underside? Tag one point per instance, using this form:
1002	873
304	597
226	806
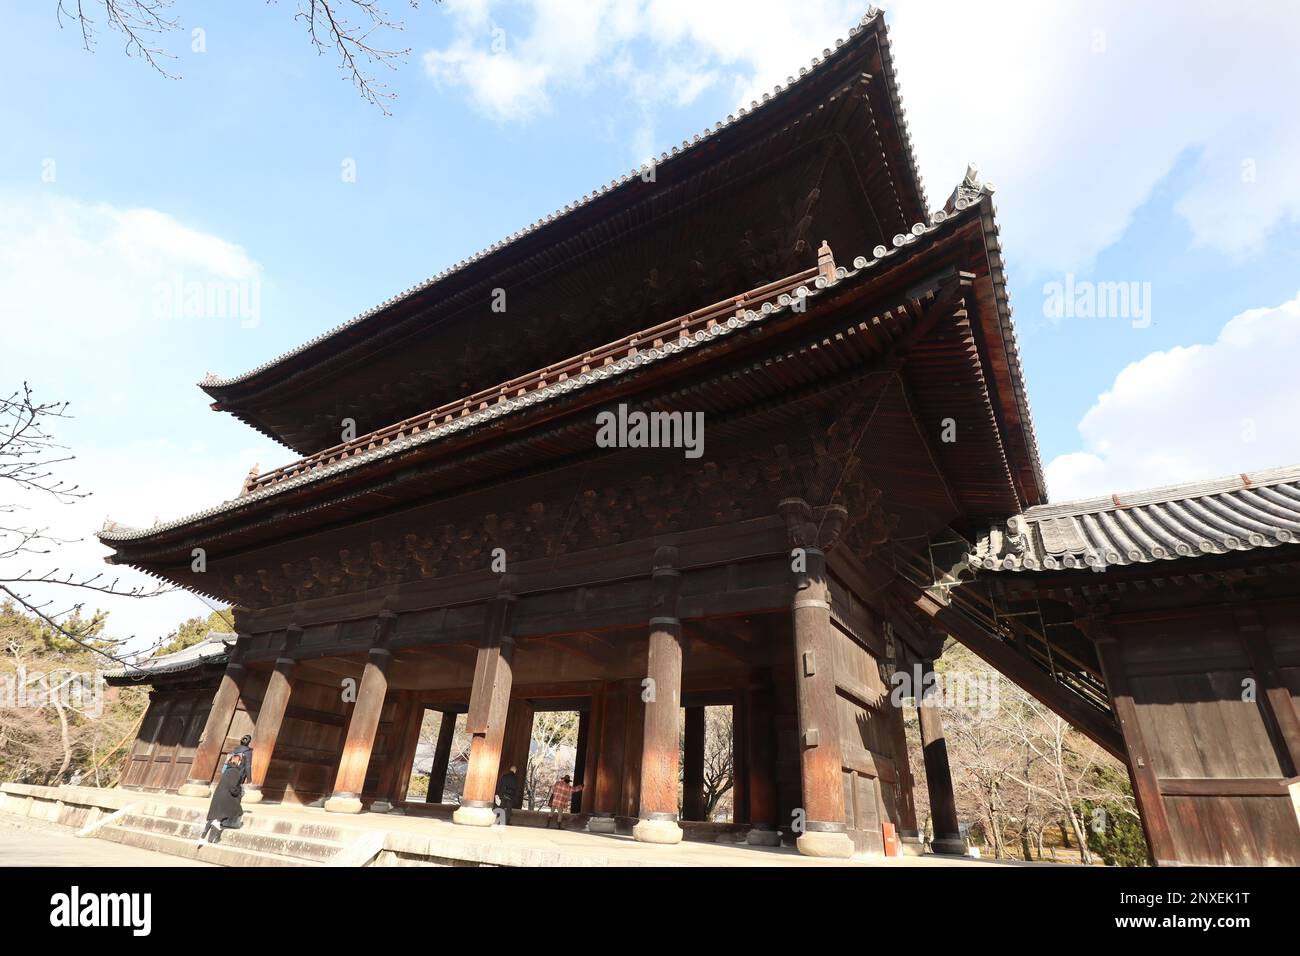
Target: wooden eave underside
759	380
1157	581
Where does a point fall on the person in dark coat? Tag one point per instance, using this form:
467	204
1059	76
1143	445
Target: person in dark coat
506	789
245	751
225	811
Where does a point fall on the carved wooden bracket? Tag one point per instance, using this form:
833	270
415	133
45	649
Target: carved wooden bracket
808	529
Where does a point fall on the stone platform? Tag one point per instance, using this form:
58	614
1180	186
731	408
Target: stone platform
292	835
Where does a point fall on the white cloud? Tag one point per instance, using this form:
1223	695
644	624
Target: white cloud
655	51
1199	411
121	259
81	285
1076	110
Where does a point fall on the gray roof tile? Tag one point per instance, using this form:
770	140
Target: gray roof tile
1238	513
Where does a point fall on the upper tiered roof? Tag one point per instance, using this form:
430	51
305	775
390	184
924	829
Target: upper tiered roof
824	156
1002	460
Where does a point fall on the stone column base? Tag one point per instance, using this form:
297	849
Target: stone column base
948	844
252	794
601	824
195	788
343	803
381	806
657	831
474	816
763	836
911	843
825	843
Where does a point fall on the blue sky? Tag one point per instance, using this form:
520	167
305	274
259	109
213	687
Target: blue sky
1154	144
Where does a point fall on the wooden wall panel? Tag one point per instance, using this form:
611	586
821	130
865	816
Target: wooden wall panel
1209	739
311	741
164	747
867	739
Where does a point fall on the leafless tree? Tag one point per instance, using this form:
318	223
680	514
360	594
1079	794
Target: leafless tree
1060	765
430	728
348	28
551	754
1018	769
29	458
719	762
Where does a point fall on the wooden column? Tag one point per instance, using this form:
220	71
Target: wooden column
396	777
270	716
820	758
489	707
629	801
910	838
364	722
609	745
516	746
211	745
740	757
761	765
441	757
938	775
693	770
657	821
591	764
580	758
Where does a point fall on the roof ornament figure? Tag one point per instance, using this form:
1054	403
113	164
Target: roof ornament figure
250	479
968	192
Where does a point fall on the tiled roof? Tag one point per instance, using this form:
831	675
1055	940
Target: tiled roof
210	650
699	140
1239	513
367	451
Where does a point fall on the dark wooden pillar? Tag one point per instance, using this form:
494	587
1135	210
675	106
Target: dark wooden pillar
400	758
820	758
740	757
629	801
591	765
489	707
909	834
760	736
270	716
657	821
580	759
608	744
516	745
441	757
938	775
213	742
693	769
364	722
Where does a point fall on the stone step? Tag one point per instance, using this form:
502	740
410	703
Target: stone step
259	822
292	845
221	854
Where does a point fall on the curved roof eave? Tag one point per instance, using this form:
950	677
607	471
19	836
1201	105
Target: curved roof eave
215	386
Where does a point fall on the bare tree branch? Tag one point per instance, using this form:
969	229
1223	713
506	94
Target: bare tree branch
28	456
138	21
142	23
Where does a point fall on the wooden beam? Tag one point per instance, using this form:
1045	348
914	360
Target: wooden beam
1083	717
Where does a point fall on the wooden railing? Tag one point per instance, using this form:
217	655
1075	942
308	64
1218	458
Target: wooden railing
681	327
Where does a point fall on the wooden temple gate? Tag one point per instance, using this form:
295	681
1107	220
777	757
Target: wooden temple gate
335	706
794	435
